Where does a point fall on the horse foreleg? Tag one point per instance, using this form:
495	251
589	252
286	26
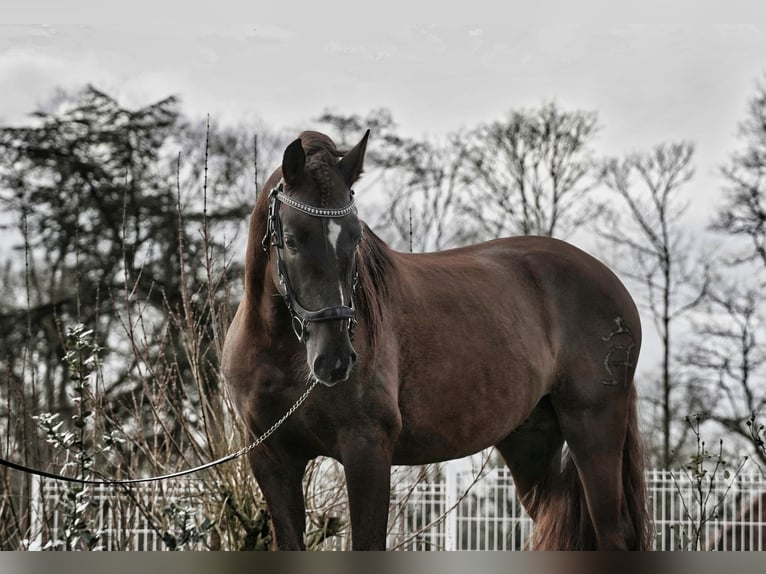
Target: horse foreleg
281	481
367	466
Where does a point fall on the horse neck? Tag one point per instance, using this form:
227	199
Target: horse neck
259	289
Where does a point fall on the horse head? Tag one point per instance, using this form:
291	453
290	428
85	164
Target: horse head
314	231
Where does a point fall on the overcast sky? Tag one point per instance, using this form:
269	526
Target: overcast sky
652	75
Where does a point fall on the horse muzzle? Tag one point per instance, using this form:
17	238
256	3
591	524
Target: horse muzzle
332	368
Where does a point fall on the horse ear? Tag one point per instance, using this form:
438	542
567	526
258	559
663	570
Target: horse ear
351	164
294	163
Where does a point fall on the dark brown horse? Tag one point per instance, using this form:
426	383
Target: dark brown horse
523	343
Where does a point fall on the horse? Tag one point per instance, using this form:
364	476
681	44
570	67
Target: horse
525	343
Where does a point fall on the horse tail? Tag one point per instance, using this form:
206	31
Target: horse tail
634	459
562	520
561	517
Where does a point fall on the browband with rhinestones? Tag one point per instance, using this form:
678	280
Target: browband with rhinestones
310	209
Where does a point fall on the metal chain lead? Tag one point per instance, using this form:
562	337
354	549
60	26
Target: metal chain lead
277	424
221	460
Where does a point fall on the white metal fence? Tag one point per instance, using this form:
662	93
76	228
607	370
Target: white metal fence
455	511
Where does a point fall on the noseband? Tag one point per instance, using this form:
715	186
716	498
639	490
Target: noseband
299	315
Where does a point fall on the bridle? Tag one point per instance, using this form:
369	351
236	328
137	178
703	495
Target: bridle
299	315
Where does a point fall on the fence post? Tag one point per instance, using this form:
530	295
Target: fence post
36	513
450	500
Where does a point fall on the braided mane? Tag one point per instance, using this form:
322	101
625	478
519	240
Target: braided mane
321	159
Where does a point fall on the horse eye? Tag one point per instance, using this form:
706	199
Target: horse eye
290	243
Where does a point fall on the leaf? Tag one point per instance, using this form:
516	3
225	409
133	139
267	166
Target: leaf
169	540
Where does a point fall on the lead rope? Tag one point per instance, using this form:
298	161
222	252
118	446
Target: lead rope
259	440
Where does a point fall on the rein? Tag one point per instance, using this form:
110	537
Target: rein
299	315
227	458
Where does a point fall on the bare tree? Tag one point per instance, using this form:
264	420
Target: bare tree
728	360
426	210
530	173
730	355
744	215
644	225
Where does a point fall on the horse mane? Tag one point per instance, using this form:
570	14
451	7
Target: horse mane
318	143
375	272
321	157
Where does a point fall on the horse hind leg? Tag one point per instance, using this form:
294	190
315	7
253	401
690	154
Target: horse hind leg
550	494
603	469
533	455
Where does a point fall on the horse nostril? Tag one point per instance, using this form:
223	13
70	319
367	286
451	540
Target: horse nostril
354	357
322	364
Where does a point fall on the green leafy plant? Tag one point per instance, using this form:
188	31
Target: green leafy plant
82	362
185	528
704	470
757	435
